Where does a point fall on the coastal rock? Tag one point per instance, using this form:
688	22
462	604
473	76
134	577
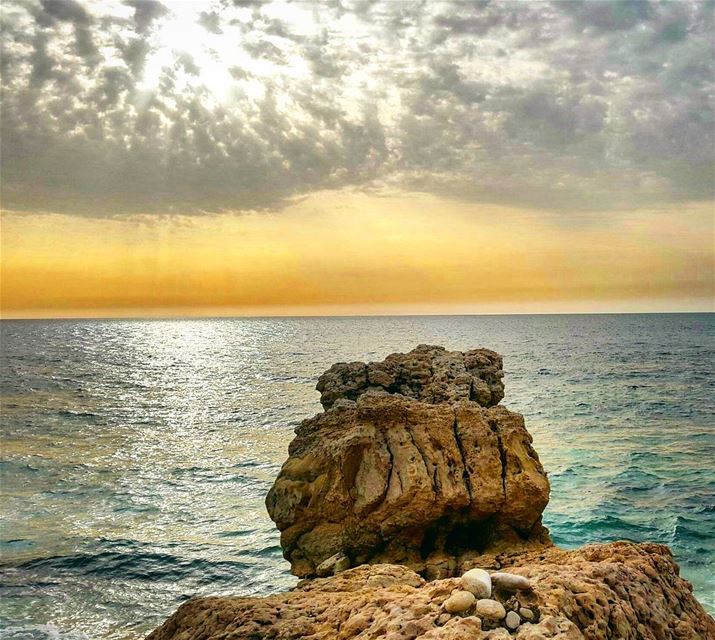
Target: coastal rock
599	592
334	564
427	373
410	464
392	479
413	472
478	582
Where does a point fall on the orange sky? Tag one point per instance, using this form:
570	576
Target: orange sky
348	252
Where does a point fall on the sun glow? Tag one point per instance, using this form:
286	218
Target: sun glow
193	55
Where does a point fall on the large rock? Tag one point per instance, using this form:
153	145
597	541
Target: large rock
413	463
428	373
393	479
599	592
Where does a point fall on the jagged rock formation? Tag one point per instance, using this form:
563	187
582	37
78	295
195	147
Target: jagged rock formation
421	482
390	479
415	464
620	590
428	373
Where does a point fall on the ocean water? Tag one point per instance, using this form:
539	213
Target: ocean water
136	454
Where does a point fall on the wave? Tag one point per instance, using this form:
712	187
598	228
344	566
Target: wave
68	413
38	632
132	565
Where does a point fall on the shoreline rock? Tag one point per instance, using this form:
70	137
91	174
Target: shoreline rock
422	471
417	478
396	480
617	590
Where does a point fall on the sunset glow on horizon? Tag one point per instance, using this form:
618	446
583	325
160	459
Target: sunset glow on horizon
345	253
244	158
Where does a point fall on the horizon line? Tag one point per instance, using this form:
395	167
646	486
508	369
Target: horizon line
257	316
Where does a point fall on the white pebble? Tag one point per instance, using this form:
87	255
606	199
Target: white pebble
512	620
490	609
459	602
478	582
510	582
527	614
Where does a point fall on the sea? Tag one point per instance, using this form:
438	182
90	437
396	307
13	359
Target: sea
137	454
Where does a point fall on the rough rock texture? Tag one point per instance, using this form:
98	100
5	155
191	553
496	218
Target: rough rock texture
613	591
428	373
414	463
392	479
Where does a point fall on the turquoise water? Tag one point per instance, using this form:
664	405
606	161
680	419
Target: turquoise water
136	454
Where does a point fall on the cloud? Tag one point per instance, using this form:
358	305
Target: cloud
146	12
210	21
67	10
111	108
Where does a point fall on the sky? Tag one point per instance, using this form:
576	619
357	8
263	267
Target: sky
243	157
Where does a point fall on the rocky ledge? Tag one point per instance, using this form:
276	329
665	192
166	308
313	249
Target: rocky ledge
431	491
619	590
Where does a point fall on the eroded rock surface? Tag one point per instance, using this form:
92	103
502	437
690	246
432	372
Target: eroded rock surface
392	479
620	590
428	373
414	464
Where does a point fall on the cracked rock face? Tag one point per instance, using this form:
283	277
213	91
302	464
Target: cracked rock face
395	479
428	373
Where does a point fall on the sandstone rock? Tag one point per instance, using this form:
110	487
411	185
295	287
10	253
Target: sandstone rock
334	564
459	602
439	565
428	373
600	592
412	464
490	609
456	629
478	582
395	479
512	620
510	582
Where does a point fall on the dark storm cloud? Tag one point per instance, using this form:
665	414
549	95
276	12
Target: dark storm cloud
112	107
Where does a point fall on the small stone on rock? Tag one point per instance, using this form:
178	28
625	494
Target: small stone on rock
490	609
443	618
478	582
527	614
512	620
510	582
459	602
